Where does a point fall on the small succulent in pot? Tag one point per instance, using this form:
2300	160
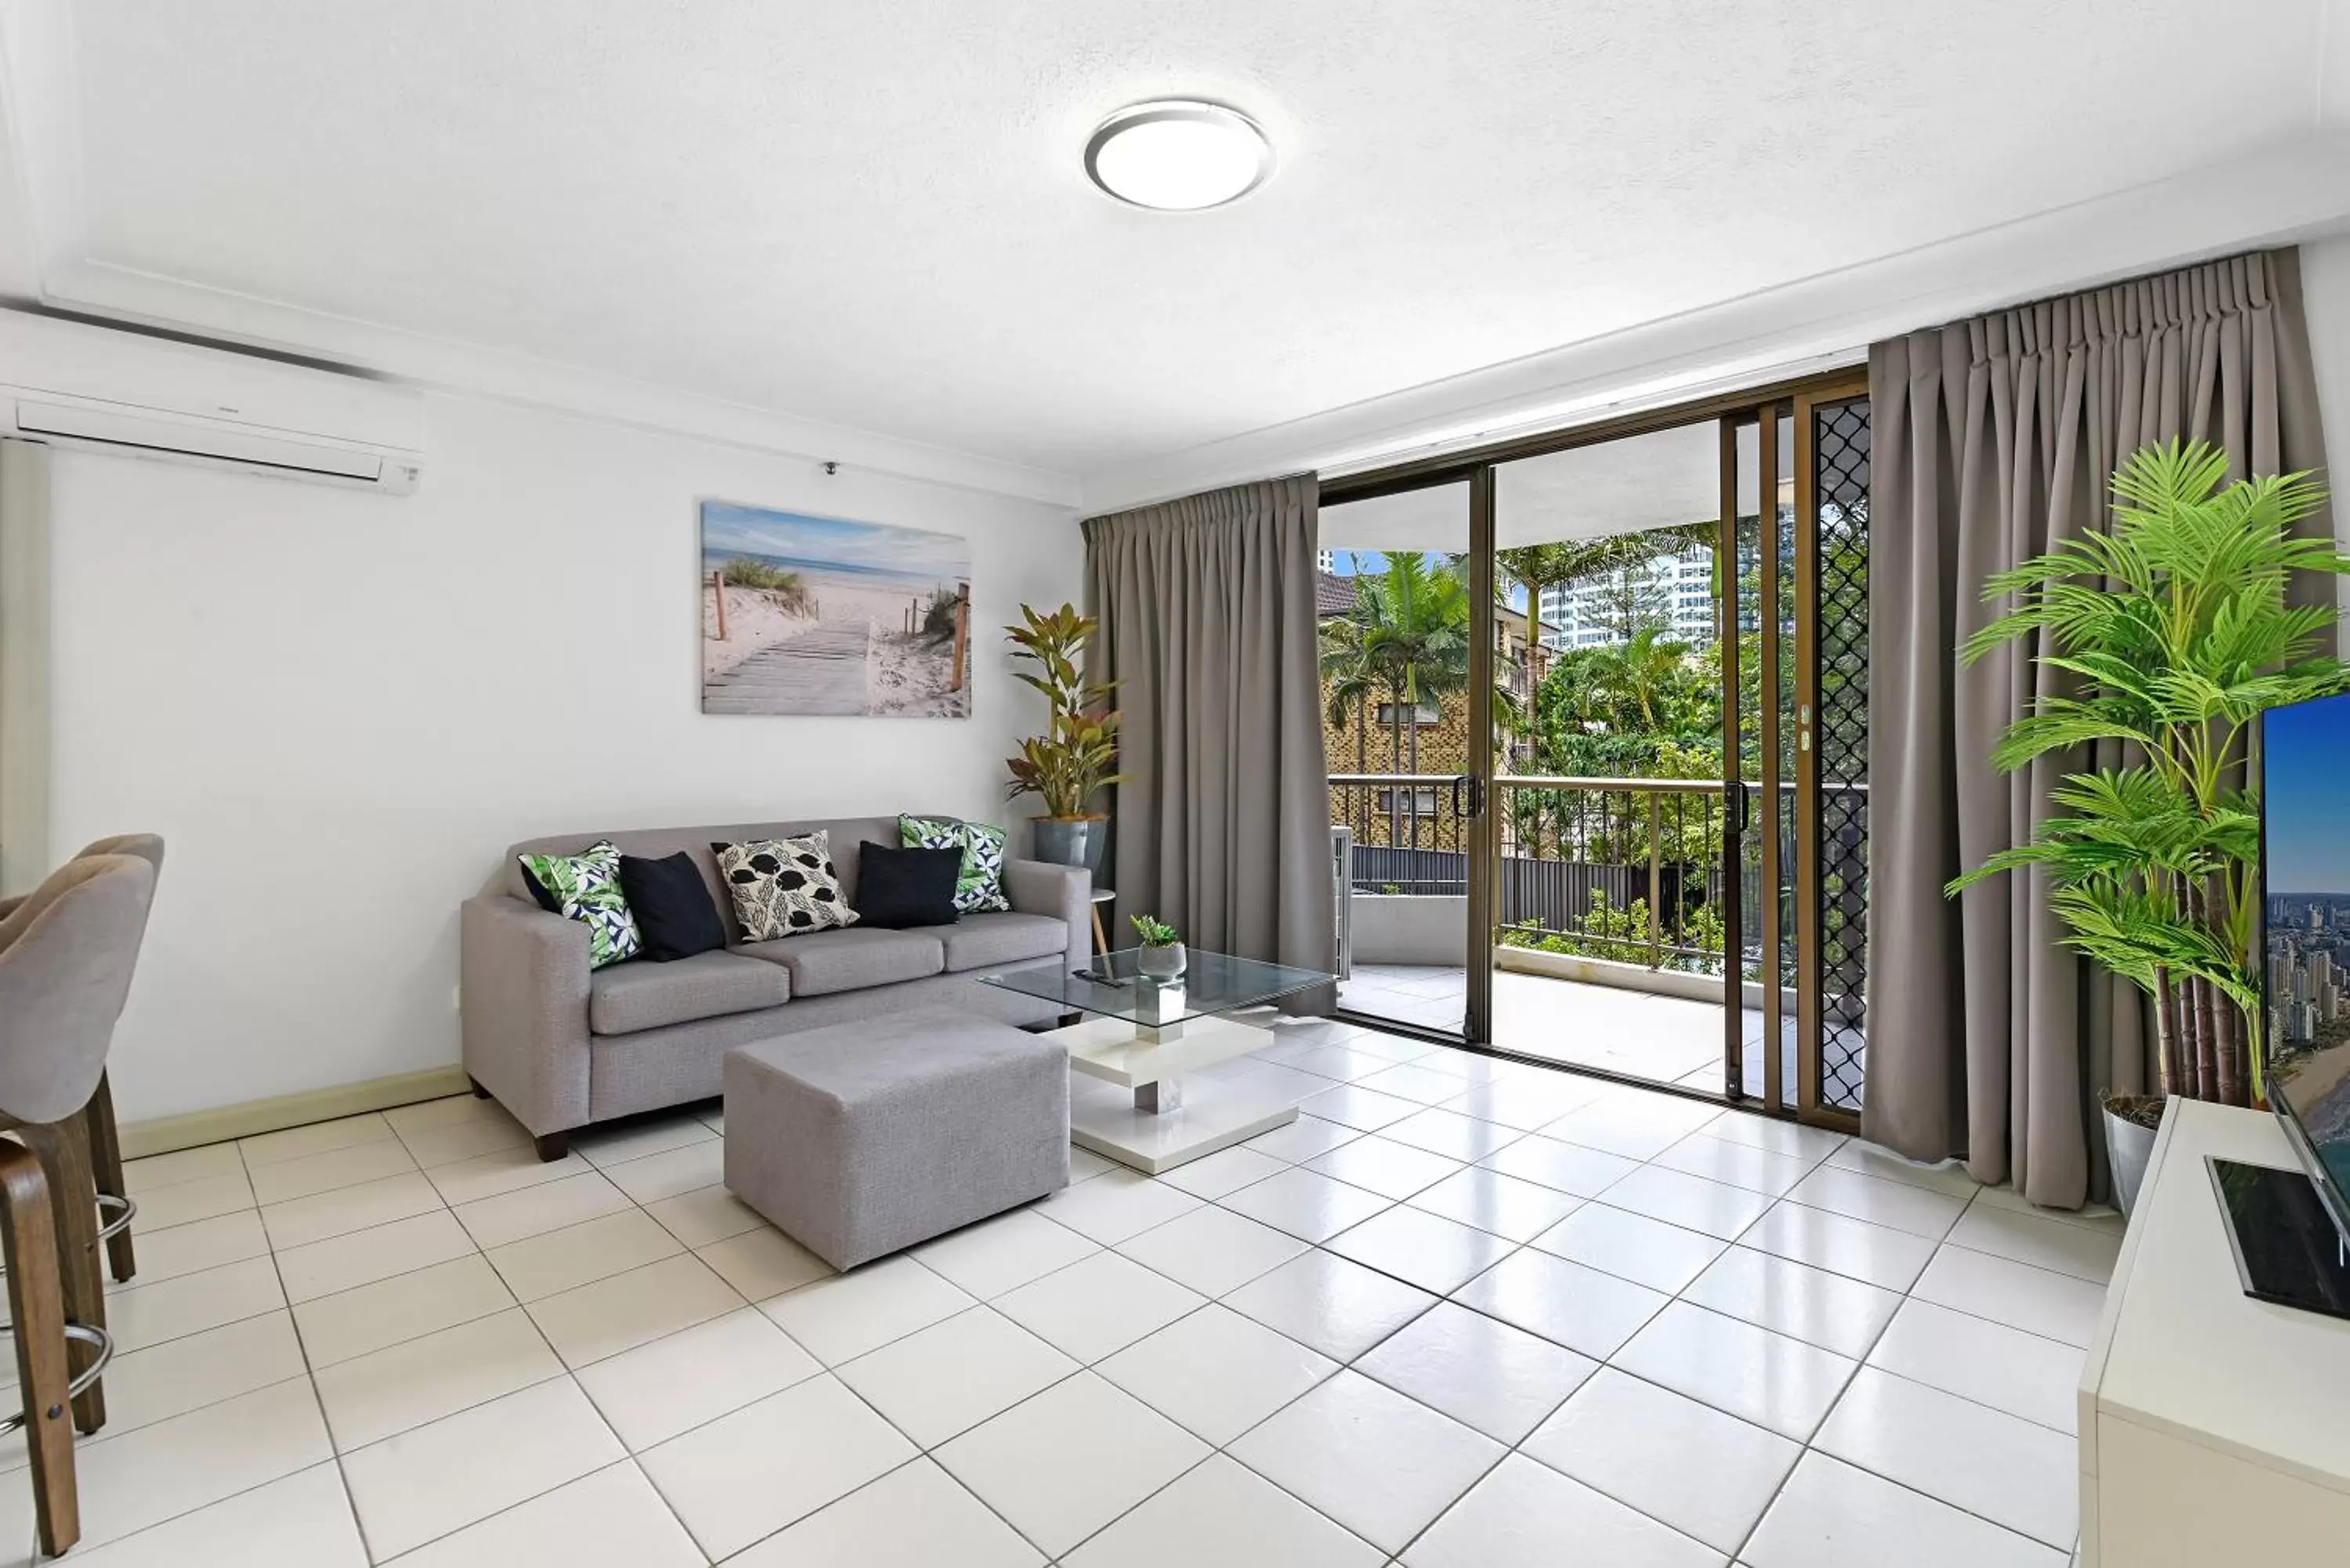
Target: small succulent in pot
1162	956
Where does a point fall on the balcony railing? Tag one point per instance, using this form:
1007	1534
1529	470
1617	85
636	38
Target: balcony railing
1402	815
1623	868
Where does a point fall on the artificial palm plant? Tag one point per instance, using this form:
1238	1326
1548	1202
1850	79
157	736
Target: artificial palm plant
1073	761
2173	630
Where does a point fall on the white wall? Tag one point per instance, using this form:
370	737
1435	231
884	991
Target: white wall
2325	290
339	709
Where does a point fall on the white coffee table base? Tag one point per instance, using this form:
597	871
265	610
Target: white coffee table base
1147	1103
1215	1114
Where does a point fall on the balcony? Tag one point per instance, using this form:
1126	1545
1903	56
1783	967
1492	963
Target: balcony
1610	927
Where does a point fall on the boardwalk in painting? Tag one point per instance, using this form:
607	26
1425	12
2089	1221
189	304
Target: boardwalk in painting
821	670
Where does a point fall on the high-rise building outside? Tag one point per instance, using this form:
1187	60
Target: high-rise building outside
1675	591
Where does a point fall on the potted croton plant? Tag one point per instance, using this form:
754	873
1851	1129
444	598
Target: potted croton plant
1071	763
2172	629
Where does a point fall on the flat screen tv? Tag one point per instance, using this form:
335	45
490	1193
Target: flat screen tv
2305	755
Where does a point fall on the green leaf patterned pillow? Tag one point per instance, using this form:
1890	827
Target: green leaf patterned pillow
586	887
979	887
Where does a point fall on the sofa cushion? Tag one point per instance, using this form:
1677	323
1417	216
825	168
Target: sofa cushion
823	963
586	887
695	842
674	909
627	997
977	941
783	886
979	888
900	888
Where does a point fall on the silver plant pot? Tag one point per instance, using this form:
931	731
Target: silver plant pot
1064	841
2128	1148
1162	963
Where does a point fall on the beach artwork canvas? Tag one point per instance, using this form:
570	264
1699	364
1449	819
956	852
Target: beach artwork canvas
801	614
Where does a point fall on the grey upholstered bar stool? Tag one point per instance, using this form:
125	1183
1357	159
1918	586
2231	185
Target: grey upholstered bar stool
66	953
105	1140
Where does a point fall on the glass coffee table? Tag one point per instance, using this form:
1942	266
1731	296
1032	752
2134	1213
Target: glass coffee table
1133	1096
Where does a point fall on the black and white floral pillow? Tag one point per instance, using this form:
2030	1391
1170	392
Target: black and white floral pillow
783	886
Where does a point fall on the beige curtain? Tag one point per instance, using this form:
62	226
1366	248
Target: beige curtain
1994	438
1222	825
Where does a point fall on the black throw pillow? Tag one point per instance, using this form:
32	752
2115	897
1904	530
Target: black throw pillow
671	904
901	888
546	900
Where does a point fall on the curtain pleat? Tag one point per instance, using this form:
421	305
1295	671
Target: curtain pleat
1221	826
1993	440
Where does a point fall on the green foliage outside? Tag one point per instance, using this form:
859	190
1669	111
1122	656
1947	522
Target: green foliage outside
1406	641
1622	936
1648	706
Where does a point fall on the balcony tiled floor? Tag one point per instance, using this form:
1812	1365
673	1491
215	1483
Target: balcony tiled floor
1664	1039
398	1337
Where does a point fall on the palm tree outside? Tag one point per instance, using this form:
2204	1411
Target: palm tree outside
1349	682
1411	624
1646	671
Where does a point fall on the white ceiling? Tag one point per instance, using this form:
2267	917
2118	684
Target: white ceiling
873	215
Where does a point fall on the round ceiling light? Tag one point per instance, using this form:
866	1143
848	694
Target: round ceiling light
1179	156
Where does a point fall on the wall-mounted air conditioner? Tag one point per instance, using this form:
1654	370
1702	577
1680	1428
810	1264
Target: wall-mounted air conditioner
70	384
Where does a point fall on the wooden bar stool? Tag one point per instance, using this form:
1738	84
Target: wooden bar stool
36	1313
66	952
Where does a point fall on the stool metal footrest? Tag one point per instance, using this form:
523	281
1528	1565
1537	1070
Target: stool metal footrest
108	1231
90	1374
129	1209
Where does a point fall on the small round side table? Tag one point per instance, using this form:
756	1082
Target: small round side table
1102	898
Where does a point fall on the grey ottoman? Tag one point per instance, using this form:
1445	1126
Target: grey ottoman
869	1136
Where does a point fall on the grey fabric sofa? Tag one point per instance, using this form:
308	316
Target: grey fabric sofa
563	1048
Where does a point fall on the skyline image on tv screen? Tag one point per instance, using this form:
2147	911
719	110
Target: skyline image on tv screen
2305	858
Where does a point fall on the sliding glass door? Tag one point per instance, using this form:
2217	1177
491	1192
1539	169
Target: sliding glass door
1611	814
1795	707
1404	608
1597	726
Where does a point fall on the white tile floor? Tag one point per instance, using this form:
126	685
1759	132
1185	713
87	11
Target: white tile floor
1663	1039
1657	1333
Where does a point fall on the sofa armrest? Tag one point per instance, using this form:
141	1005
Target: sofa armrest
522	990
9	905
1040	887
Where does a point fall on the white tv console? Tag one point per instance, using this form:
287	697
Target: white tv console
2215	1429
